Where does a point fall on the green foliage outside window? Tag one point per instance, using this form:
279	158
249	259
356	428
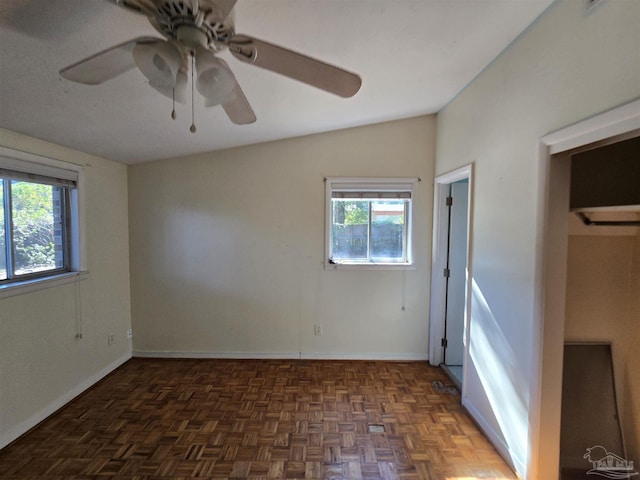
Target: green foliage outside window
356	213
33	224
32	221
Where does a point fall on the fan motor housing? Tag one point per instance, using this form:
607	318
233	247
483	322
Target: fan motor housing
180	19
191	36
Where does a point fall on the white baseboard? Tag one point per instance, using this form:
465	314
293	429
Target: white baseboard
14	432
285	355
496	439
402	357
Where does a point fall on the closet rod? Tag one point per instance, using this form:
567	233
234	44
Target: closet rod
607	223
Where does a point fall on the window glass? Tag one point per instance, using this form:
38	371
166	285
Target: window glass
369	230
3	245
350	229
37	227
388	230
368	221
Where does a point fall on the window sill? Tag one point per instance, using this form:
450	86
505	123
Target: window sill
369	266
28	286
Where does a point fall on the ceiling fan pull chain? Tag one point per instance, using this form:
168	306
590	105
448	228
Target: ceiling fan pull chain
173	101
192	129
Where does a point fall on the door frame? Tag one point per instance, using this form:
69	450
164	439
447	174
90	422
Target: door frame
439	260
551	274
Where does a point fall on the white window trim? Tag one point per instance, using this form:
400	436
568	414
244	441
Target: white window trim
37	164
372	184
33	285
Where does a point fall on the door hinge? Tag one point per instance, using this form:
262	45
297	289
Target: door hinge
443	343
449	201
446	273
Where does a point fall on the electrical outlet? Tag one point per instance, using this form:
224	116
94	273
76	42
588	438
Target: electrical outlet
317	329
129	334
111	339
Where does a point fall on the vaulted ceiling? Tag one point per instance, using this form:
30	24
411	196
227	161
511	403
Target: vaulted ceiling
414	56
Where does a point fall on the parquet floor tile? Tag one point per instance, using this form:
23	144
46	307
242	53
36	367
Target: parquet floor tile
255	419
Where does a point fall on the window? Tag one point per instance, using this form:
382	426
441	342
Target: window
38	221
369	221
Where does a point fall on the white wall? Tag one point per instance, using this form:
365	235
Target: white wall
602	306
632	395
567	66
42	364
227	251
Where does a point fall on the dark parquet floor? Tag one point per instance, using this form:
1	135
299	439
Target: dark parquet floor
256	419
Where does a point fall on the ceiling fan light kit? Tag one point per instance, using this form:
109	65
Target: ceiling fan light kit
179	92
160	62
198	30
215	81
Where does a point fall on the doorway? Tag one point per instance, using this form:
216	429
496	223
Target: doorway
449	286
551	284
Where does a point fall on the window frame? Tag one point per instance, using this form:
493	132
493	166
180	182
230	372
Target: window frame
362	185
10	249
39	168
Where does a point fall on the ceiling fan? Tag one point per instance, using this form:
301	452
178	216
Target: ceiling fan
195	31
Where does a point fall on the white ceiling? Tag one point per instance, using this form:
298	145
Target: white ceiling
413	56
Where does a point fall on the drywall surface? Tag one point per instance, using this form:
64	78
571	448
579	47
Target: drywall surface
633	393
602	306
42	363
227	251
567	66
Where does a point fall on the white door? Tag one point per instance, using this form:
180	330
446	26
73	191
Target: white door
457	269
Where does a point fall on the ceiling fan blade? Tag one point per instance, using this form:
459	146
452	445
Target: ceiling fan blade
295	65
238	110
234	103
236	106
105	65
